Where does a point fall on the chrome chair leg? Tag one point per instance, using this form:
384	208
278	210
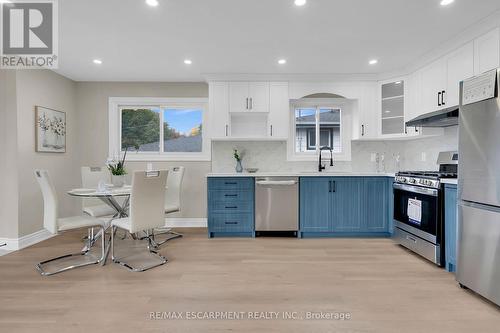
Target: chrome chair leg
167	231
151	247
43	272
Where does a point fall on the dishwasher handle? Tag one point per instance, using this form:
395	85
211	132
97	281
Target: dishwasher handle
277	182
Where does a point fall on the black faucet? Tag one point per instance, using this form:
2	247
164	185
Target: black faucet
320	166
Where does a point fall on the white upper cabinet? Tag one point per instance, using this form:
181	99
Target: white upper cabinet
440	80
249	110
487	52
365	118
413	98
433	85
279	114
459	66
219	109
259	96
249	96
238	97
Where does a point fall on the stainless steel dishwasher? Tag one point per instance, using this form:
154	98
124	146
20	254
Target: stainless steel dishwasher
276	204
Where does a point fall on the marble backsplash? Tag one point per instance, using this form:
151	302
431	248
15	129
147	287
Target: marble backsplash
418	154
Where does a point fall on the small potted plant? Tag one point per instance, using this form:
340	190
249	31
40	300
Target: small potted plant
118	171
238	157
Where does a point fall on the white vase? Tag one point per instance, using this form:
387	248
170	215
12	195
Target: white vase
118	181
44	139
51	139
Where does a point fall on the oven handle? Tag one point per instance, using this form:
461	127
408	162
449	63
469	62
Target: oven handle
416	189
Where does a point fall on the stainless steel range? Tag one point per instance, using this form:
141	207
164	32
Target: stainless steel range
418	208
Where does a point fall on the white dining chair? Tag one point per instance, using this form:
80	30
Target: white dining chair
55	225
172	201
147	208
91	176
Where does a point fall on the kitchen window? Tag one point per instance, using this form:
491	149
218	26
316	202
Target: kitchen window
321	124
158	129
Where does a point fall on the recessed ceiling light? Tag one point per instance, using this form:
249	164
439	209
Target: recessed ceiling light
282	61
97	61
152	3
300	2
373	61
397	82
188	62
446	2
387	111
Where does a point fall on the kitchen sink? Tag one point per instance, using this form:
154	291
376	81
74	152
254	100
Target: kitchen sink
324	172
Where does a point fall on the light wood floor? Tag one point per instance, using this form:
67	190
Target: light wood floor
383	287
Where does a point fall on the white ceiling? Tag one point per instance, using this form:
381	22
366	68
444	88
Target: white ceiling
141	43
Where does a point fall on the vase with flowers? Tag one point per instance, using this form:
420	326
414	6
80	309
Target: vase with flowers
238	157
118	171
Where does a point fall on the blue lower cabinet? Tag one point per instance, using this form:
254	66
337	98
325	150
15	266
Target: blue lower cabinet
450	226
315	204
231	207
345	206
376	204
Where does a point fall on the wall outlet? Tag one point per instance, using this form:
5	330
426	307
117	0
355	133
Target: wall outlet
423	156
373	157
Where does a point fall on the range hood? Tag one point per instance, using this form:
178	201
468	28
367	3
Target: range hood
442	118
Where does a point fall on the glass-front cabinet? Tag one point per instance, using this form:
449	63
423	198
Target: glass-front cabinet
393	108
399	100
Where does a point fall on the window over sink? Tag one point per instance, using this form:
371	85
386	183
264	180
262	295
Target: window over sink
317	123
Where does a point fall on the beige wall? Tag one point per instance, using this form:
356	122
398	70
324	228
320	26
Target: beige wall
51	90
8	161
92	104
86	107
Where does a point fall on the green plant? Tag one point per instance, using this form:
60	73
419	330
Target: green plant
237	154
118	168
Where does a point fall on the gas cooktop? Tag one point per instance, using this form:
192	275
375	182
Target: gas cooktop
429	174
424	178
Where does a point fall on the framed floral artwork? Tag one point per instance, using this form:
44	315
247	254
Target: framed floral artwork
50	130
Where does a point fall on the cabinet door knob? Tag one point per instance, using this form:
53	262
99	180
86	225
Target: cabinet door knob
271	130
439	98
227	130
362	130
247	104
442	97
251	103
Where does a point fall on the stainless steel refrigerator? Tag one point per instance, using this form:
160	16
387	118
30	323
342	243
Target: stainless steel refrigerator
478	257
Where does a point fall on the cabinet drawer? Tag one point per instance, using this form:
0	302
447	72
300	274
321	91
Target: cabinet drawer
232	206
239	184
230	196
242	222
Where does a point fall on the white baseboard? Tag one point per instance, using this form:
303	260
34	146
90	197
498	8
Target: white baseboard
186	222
14	244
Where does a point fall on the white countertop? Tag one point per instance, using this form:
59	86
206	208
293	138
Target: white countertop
452	181
301	174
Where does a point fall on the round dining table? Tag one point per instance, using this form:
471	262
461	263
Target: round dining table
109	196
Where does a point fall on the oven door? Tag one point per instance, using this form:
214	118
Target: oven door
416	210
